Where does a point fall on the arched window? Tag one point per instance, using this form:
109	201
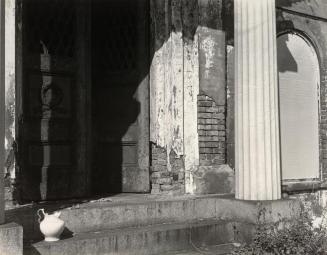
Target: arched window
299	80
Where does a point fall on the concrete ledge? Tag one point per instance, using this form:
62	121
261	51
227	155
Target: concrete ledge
11	239
147	210
159	239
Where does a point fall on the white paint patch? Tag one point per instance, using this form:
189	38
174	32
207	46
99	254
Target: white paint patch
10	78
208	46
230	48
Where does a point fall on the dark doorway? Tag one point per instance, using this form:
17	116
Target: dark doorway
47	101
59	131
120	114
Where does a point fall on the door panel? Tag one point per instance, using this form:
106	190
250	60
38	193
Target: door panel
50	123
120	96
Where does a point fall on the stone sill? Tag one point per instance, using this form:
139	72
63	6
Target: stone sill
306	185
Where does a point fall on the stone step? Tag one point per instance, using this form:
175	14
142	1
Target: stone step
221	249
152	240
142	210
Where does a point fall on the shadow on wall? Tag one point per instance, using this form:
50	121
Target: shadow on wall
285	60
116	75
118	69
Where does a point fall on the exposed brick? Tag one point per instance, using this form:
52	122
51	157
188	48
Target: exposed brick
208	121
217	150
155	191
166	180
162	162
218	116
202	97
202	109
163	180
205	162
156	175
204	138
202	121
166	174
155	186
212	144
204	103
219	161
212	109
202	132
216	121
205	115
166	187
157	168
212	133
221	109
210	156
221	133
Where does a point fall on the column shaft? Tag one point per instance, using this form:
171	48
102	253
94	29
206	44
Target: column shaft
2	109
257	159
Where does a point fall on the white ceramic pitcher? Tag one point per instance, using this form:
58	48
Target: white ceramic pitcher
51	226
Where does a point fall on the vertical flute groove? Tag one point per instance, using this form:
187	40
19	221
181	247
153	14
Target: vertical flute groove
256	123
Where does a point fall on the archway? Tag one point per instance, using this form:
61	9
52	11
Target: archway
299	80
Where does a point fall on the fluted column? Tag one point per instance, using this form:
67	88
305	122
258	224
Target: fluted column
2	109
257	155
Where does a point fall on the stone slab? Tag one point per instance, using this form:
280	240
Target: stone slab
139	211
159	239
11	239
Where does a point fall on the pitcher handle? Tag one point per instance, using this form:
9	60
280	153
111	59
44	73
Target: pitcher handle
40	216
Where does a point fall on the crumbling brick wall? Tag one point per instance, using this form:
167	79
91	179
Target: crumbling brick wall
211	131
166	178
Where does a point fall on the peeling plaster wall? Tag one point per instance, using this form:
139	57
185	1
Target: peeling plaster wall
230	97
174	82
10	93
188	48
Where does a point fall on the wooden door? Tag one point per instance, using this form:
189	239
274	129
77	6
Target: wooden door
51	120
120	96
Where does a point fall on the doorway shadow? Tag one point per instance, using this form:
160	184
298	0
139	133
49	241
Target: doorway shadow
122	49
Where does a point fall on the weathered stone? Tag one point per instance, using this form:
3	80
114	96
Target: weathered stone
205	103
205	115
162	180
156	175
213	179
181	175
159	168
11	239
166	187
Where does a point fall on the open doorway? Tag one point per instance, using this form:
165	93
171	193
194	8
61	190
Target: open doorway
74	143
120	96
